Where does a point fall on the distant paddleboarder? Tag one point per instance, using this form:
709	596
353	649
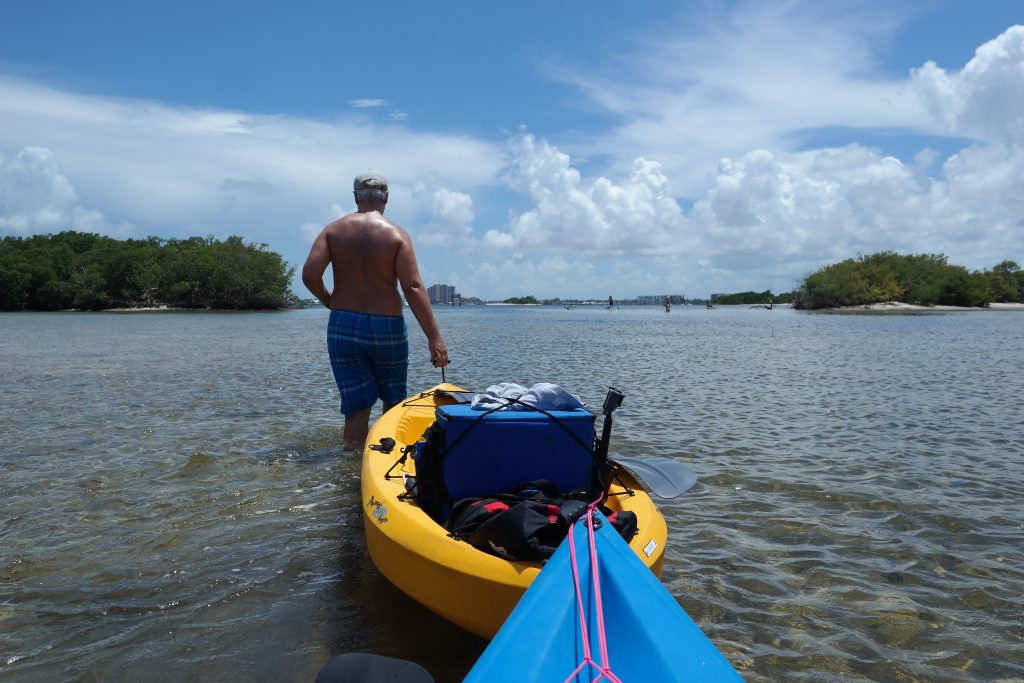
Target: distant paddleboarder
668	303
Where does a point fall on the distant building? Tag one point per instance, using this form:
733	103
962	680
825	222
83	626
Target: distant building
442	294
659	299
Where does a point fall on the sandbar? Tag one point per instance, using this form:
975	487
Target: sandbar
900	306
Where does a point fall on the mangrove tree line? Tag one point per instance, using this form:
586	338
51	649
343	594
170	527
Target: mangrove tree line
924	279
765	297
74	270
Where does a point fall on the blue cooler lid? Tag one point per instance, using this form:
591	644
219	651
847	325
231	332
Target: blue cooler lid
491	452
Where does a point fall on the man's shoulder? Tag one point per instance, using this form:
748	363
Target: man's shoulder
386	226
344	220
360	225
335	226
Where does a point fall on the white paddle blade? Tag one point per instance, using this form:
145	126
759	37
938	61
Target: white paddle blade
664	477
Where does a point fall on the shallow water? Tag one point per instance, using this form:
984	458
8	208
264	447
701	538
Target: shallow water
176	504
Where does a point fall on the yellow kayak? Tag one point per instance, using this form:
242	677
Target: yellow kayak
466	586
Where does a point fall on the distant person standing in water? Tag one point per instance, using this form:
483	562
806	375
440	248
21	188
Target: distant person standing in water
367	338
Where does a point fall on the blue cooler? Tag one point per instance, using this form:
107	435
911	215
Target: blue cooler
488	453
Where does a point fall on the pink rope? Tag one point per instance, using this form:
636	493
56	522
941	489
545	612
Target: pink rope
604	671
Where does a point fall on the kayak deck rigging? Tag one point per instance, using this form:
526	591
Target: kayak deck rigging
465	585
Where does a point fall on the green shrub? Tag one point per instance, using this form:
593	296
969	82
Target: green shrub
87	271
925	279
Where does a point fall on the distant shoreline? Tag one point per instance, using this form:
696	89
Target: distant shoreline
884	306
897	306
159	309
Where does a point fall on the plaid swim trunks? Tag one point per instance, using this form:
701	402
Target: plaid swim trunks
369	356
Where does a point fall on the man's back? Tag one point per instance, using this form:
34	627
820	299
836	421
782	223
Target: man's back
367	339
364	248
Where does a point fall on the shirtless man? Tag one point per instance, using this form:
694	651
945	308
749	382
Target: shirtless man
366	336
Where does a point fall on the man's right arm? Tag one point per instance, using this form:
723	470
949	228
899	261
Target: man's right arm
416	295
313	271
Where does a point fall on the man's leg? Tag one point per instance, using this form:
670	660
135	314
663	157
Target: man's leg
356	426
352	373
391	361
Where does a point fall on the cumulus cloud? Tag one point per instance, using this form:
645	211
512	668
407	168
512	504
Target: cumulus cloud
497	239
182	156
721	113
711	115
713	85
35	196
634	215
451	223
763	211
764	219
522	275
310	229
816	206
186	170
985	99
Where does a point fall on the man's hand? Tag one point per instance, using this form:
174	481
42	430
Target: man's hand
438	353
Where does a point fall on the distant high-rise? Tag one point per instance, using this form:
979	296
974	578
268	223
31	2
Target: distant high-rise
442	294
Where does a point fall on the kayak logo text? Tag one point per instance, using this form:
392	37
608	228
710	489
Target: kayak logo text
378	510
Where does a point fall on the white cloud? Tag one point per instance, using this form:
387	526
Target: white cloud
980	207
498	240
986	98
544	276
367	103
35	196
715	114
714	86
451	220
813	207
764	211
735	96
764	220
182	170
311	229
635	215
183	156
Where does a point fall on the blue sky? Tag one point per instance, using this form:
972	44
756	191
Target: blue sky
566	149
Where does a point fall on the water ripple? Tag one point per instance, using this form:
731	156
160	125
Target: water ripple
177	505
